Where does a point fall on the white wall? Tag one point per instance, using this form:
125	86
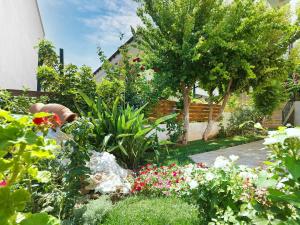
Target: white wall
20	30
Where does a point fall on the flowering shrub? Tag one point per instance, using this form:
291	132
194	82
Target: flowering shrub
164	180
285	156
21	148
225	193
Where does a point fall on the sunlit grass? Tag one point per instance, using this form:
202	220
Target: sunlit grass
180	154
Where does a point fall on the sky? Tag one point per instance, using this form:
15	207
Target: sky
80	26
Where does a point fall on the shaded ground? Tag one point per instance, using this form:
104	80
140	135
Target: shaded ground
180	154
252	154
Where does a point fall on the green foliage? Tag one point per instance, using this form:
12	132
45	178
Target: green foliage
243	46
241	122
158	211
64	83
69	171
110	89
47	54
135	83
40	218
285	145
268	97
19	104
124	131
93	212
174	130
21	149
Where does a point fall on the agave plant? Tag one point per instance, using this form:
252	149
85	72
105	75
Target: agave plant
124	131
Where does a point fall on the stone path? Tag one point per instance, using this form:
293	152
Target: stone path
252	154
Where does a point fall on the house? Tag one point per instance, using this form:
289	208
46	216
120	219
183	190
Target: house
21	29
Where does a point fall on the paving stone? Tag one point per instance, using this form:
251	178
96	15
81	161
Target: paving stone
252	154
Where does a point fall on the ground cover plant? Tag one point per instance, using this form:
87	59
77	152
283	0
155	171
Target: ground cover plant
158	211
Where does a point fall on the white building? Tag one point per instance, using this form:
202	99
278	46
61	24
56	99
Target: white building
21	29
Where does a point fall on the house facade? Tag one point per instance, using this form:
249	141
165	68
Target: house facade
21	29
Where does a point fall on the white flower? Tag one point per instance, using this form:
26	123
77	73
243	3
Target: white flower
209	176
248	175
293	132
234	158
188	170
193	184
221	162
281	183
271	141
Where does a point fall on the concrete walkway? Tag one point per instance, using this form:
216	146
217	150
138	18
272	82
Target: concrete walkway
252	154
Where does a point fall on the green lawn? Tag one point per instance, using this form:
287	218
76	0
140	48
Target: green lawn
179	154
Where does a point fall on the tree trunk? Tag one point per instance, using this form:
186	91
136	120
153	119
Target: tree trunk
211	120
186	114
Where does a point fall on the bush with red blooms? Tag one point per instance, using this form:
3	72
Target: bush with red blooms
164	180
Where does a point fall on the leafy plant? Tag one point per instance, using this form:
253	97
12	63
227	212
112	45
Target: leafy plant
241	122
174	130
63	83
123	131
285	145
21	148
19	104
110	89
158	211
93	212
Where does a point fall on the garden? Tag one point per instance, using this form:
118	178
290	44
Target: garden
109	165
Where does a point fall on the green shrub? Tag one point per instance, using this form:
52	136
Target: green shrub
158	211
93	212
109	90
241	122
124	131
19	104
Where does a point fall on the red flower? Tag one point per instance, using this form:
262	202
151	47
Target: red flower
174	174
3	183
40	121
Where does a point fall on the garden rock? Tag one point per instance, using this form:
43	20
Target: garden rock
106	174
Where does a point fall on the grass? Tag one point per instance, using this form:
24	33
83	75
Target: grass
180	154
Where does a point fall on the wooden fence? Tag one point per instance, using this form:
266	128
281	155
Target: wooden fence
198	112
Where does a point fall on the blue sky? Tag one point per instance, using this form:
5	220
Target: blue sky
79	26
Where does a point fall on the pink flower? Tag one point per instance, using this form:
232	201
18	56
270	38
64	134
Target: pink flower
3	183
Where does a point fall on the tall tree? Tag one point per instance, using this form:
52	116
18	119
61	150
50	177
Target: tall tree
243	45
169	37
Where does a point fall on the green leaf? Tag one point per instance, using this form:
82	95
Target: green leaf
165	118
120	144
12	201
43	176
293	167
40	219
264	181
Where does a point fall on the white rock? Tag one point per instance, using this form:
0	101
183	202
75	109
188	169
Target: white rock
106	175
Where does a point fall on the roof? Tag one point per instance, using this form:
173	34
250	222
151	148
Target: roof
115	53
